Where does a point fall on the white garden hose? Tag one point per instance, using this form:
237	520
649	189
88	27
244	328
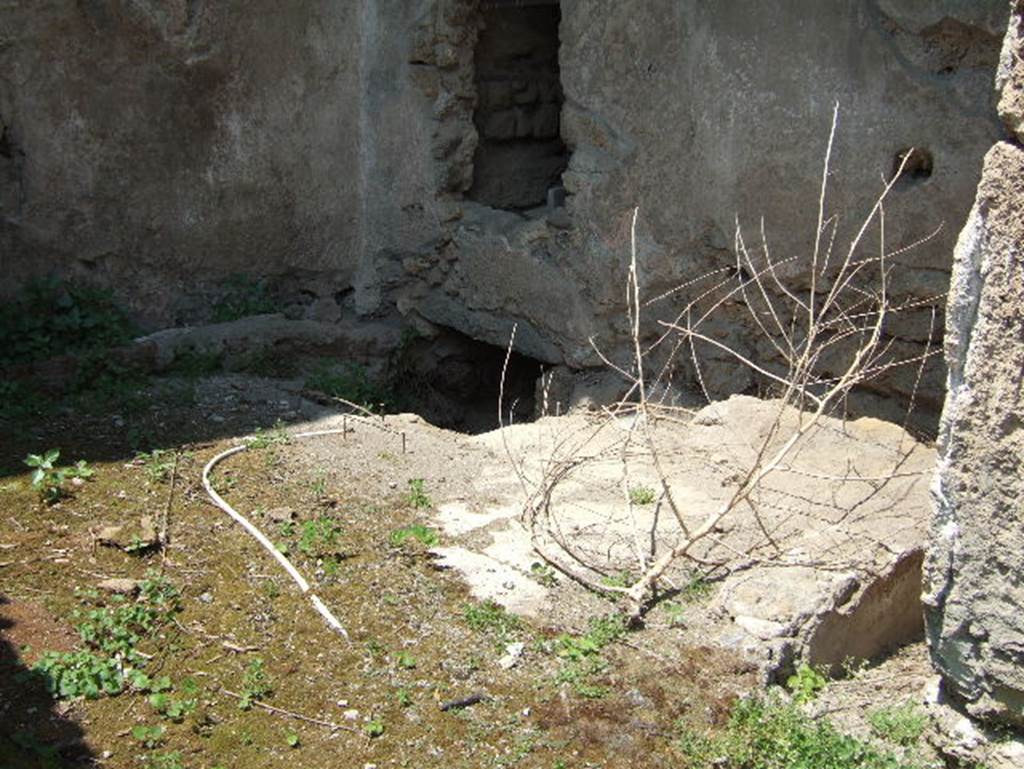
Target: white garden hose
260	537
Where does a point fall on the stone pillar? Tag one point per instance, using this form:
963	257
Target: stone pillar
974	575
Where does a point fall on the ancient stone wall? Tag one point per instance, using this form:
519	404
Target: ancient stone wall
159	146
973	592
363	157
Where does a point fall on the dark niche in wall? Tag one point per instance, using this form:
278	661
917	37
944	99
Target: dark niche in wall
521	154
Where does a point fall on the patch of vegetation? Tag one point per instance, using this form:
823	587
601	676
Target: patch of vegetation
374	728
543	574
417	496
50	481
425	535
319	538
148	736
265	439
492	619
622	579
244	295
581	654
806	683
157	464
111	634
642	495
256	685
352	383
766	733
903	724
54	318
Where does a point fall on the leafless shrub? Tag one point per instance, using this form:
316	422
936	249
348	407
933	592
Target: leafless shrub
839	316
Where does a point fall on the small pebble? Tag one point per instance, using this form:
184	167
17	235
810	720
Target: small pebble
351	714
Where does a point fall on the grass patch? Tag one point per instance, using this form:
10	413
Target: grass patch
417	532
903	724
766	733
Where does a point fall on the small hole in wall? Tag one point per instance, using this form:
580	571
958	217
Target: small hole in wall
520	156
917	167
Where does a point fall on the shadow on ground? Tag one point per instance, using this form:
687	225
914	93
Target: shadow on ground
34	732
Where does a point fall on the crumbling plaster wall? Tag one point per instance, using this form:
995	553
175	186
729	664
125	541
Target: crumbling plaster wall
157	146
696	113
332	144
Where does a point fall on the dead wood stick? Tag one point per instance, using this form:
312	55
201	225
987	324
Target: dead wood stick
297	716
167	514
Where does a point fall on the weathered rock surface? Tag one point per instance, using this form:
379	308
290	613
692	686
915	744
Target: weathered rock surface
157	147
973	591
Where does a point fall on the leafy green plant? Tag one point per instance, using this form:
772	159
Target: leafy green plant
172	708
806	683
157	464
406	661
403	697
374	728
319	538
581	654
491	618
622	579
675	614
417	531
291	740
903	724
51	481
642	495
543	574
111	634
417	496
47	753
256	685
53	318
149	736
169	760
766	733
264	439
69	675
46	478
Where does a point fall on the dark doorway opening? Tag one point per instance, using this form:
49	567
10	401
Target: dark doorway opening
520	155
453	381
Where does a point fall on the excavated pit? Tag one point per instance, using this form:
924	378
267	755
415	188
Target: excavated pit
454	382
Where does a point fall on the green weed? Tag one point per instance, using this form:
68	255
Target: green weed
767	733
374	728
50	481
543	574
256	685
149	736
642	495
806	683
111	634
491	618
265	439
417	496
425	535
903	724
